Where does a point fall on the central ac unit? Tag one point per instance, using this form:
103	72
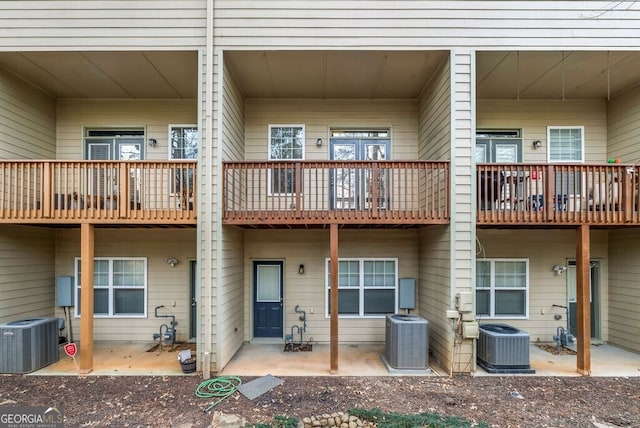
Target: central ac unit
407	342
503	349
28	345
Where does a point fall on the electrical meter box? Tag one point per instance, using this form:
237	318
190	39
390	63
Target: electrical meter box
464	302
470	330
64	291
407	293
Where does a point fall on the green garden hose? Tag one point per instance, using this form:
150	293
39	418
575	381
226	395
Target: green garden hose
221	388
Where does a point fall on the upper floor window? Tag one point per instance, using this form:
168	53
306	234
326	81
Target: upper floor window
183	142
502	288
286	142
566	143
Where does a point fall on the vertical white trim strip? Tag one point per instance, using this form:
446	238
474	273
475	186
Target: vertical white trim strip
474	202
207	218
452	180
201	347
474	184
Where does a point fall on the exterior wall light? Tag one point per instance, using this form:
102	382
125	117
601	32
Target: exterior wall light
152	142
301	269
537	144
319	142
559	269
172	261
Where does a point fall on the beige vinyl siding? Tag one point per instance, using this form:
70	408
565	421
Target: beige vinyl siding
623	126
311	248
233	119
27	120
462	245
434	290
624	292
230	314
544	249
153	115
407	24
319	116
434	138
534	116
48	25
231	295
165	284
27	274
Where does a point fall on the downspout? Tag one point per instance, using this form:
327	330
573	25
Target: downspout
208	221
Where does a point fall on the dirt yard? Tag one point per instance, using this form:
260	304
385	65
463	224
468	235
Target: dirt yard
515	401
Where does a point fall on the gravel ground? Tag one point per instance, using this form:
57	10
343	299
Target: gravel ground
170	401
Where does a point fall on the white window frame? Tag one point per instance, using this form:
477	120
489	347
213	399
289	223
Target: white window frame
582	153
492	289
361	288
176	171
178	125
270	191
110	287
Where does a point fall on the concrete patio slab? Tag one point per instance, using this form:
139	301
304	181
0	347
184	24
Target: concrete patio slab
121	359
260	359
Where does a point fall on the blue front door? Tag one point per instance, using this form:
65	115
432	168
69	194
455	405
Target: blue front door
267	300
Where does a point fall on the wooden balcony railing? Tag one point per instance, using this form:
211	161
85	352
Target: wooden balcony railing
345	192
561	194
98	191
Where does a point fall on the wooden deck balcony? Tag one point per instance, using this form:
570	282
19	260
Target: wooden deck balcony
557	194
107	192
354	193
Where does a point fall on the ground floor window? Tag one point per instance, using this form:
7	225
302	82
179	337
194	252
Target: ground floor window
119	286
366	287
502	288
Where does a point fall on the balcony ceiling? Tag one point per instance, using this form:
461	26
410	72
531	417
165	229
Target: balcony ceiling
326	74
547	75
149	74
333	74
403	74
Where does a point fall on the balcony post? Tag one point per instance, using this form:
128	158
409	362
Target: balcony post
46	193
549	191
298	189
628	192
123	190
583	316
86	301
373	188
333	238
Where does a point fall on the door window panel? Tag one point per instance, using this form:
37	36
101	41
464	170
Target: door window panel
358	188
498	146
268	287
107	144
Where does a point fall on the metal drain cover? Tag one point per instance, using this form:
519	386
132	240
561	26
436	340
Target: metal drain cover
259	386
